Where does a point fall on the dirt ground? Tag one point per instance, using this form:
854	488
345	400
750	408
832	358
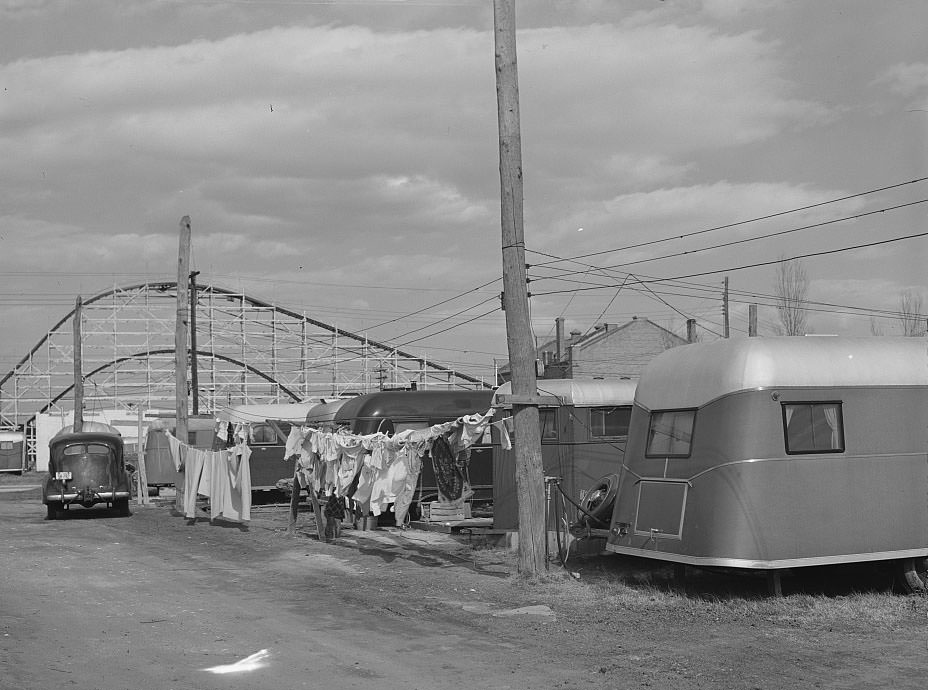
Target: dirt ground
157	601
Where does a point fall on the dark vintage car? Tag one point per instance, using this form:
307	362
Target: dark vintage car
86	468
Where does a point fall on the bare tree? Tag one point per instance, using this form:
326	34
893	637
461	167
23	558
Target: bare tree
911	313
791	288
875	327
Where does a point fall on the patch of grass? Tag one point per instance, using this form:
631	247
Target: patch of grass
859	598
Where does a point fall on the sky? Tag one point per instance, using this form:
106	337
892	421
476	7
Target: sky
341	158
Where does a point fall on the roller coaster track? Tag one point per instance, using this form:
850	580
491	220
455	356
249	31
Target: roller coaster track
248	351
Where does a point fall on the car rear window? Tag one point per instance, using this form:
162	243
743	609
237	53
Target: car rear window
88	448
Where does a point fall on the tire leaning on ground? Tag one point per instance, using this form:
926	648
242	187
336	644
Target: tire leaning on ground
599	501
914	575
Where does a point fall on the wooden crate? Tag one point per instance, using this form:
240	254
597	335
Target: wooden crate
443	512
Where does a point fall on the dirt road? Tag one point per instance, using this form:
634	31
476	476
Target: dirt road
153	601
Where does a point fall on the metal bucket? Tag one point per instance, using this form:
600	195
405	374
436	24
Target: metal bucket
367	523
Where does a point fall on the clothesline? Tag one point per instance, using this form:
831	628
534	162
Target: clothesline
223	476
379	470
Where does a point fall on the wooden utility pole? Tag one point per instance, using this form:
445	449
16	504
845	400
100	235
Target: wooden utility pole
725	309
78	369
180	332
141	474
752	320
194	367
529	473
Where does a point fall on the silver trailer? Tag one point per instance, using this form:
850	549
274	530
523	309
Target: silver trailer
779	453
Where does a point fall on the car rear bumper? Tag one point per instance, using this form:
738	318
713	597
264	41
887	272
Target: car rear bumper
97	497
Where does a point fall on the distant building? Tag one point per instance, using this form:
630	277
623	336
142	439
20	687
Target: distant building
606	351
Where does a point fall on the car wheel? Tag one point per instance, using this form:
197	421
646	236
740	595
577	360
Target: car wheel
53	511
121	507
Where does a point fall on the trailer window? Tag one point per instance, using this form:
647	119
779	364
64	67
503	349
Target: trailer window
670	434
813	427
263	434
610	421
547	421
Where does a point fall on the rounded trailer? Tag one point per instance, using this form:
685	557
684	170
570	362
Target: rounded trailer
268	426
583	427
778	453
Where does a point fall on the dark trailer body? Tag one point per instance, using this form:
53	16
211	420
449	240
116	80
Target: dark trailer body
775	453
268	428
583	428
391	412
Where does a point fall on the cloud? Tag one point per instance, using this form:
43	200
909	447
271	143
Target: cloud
906	78
674	211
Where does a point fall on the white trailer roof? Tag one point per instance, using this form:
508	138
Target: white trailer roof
251	414
576	392
692	375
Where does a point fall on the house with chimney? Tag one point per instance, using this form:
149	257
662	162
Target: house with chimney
605	351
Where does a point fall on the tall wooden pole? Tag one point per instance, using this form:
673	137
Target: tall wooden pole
752	320
194	366
78	369
530	488
140	470
725	320
180	332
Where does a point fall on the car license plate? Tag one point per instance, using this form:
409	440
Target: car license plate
62	475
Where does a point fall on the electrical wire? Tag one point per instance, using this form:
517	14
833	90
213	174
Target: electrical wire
750	220
758	264
763	237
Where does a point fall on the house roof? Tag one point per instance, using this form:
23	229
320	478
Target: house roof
594	335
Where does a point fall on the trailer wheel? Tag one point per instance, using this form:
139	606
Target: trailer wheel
914	575
599	500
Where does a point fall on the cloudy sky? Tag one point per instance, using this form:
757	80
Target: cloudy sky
341	158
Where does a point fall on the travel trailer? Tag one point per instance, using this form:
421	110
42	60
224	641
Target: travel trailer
267	427
12	451
393	411
583	426
779	453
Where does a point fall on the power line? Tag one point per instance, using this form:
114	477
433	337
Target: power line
745	222
479	316
437	304
447	318
755	265
762	237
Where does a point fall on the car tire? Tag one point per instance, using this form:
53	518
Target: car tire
599	501
53	511
121	507
913	575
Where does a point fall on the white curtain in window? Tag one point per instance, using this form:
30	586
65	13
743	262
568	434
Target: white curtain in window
831	416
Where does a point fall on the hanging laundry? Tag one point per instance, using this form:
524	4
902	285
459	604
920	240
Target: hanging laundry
230	487
448	473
